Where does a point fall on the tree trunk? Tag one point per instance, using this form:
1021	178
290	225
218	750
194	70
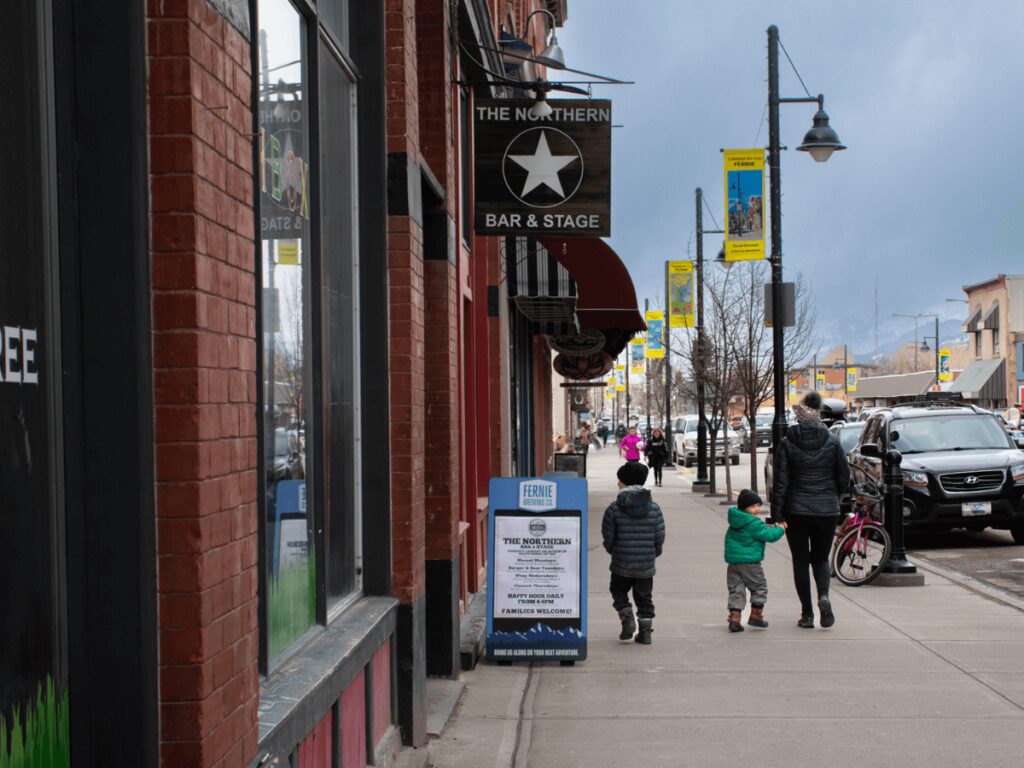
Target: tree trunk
752	425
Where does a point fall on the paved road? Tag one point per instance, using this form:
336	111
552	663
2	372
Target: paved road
989	556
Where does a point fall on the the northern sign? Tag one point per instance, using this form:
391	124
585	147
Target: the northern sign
543	176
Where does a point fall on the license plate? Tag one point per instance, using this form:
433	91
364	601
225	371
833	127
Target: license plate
976	508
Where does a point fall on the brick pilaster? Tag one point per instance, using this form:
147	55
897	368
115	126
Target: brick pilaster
204	352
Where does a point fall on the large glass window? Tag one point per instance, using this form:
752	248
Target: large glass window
34	717
286	248
341	372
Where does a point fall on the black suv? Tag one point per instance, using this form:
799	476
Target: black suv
960	467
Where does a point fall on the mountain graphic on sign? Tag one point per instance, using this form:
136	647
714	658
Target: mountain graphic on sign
538	634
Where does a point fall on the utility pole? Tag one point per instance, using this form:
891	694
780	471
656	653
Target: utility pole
668	369
647	377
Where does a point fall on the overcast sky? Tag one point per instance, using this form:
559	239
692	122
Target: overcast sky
927	96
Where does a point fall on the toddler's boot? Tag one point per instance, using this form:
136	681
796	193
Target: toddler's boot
757	617
735	617
644	635
628	624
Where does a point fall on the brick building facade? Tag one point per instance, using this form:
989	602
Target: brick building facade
270	365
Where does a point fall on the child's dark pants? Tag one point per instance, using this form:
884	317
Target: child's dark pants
643	589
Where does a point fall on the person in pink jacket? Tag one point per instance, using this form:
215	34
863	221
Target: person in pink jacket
631	445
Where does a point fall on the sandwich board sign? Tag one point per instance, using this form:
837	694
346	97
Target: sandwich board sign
537	569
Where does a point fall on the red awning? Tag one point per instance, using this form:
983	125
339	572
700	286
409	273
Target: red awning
606	299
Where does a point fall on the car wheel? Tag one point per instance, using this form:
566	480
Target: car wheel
688	462
1017	531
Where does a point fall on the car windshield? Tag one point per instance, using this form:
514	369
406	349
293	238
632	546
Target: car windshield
848	435
949	433
764	421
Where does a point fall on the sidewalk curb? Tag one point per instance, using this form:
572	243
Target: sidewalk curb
970	583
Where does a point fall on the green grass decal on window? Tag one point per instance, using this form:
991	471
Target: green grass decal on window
291	603
37	737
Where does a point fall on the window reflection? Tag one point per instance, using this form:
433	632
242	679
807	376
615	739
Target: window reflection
284	177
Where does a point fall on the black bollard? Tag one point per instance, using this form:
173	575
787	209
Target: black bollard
898	562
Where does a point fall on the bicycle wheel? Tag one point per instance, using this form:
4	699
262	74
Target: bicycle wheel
860	554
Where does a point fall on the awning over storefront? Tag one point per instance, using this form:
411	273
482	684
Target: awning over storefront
894	386
973	321
982	380
607	299
542	289
992	317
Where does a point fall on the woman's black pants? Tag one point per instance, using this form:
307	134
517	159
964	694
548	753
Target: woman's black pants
656	464
810	542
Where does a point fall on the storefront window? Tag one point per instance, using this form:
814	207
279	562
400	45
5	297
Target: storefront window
285	223
34	716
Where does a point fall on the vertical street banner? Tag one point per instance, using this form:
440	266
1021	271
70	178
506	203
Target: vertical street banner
851	379
542	175
744	204
537	569
819	381
655	334
620	378
680	294
944	373
792	390
636	356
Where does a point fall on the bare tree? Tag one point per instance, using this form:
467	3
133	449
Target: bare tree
752	343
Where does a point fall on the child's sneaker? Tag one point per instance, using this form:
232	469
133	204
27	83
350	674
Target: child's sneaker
757	617
628	624
735	617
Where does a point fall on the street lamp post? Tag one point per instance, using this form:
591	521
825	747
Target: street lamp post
701	483
935	338
846	376
820	142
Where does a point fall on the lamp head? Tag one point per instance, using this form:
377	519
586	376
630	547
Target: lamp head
821	141
541	108
924	346
721	261
552	56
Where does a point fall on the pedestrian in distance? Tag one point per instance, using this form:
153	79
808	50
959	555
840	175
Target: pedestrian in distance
631	445
811	472
744	552
633	533
584	437
602	434
656	451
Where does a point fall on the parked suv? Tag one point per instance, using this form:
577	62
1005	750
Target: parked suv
684	442
960	467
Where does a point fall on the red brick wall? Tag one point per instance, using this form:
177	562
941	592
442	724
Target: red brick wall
406	304
204	352
436	119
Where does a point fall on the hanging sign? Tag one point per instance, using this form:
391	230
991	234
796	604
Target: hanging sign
620	378
680	294
944	373
636	355
792	389
819	381
543	176
851	379
284	174
655	334
744	210
537	569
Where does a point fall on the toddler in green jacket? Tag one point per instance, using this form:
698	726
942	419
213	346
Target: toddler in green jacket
744	551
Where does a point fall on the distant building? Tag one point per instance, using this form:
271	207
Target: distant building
994	377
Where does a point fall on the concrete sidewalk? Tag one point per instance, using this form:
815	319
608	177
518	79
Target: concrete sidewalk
930	676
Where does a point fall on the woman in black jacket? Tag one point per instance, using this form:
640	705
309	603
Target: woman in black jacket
811	472
657	451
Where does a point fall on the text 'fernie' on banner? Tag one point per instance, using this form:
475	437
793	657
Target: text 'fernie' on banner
655	334
744	204
680	294
636	355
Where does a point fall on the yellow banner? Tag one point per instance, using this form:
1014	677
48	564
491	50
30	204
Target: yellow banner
851	379
620	378
819	382
655	334
944	373
744	204
792	390
680	294
636	356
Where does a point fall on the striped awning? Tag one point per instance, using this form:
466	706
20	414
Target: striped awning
542	289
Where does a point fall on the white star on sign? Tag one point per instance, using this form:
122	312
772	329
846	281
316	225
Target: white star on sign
543	167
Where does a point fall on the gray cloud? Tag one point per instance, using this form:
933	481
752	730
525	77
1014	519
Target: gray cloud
927	198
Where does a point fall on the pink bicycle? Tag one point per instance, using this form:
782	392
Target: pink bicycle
862	546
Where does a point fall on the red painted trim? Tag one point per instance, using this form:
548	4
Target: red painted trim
353	723
381	666
315	749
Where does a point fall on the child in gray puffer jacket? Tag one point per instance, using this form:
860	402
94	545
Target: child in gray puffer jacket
633	530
